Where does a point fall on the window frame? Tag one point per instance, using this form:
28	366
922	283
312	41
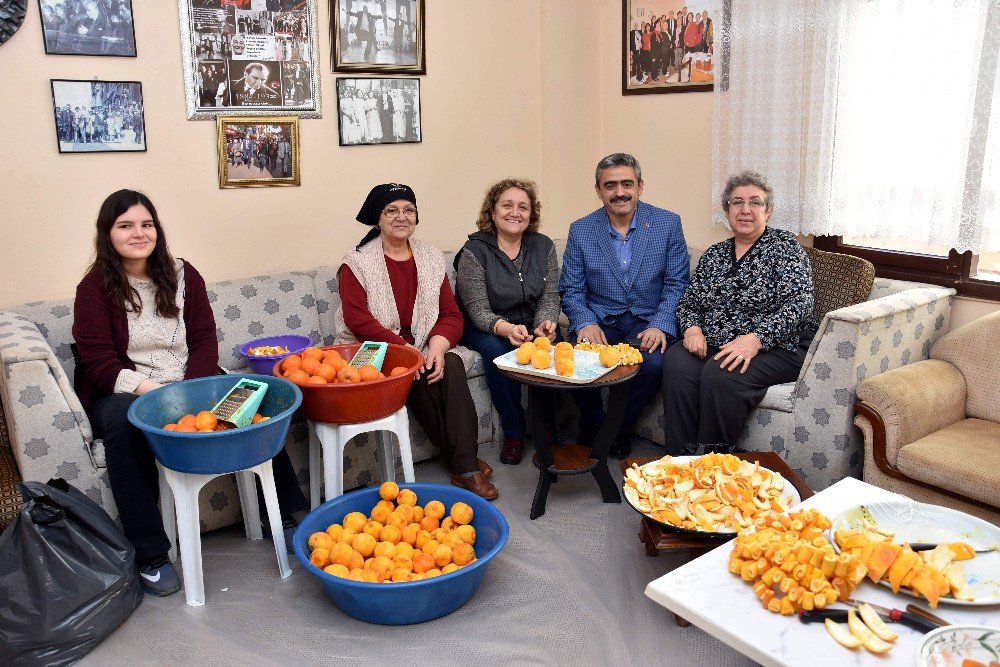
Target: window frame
954	271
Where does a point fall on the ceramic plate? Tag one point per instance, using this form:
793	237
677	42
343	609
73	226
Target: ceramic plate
586	367
951	645
916	522
789	491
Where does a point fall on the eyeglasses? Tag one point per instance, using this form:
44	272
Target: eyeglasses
393	211
754	202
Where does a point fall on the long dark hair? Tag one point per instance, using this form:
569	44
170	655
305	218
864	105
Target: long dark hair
159	265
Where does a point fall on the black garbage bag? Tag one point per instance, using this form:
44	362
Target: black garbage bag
67	577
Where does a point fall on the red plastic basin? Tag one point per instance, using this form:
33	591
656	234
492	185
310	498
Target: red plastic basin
363	401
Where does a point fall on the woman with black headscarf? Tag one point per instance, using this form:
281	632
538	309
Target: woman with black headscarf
394	289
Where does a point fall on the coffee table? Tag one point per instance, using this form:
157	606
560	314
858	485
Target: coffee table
658	539
704	592
573	459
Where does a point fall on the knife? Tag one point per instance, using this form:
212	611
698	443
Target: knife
892	615
928	546
920	611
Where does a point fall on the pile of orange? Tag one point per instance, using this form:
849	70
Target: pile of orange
203	422
398	541
540	352
316	366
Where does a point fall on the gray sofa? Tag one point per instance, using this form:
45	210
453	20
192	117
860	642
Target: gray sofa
51	435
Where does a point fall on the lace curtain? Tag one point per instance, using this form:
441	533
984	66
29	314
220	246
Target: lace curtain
869	117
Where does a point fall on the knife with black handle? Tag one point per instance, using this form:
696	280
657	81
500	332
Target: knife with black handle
896	616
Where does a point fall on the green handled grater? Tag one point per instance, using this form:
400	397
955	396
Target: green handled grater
370	353
240	404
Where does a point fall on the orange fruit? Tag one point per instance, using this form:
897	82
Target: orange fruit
170	427
316	379
327	372
290	362
563	349
435	509
461	513
337	362
330	355
541	359
564	366
348	374
257	418
399	370
205	421
368	373
463	554
185	428
312	353
309	365
298	376
524	353
388	490
187	420
609	357
543	343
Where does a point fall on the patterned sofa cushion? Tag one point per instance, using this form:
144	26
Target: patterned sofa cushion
839	280
54	320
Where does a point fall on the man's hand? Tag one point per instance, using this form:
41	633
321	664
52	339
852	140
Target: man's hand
592	333
514	333
547	329
652	339
739	351
695	343
437	346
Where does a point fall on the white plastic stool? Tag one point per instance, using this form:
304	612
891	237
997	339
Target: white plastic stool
179	500
332	438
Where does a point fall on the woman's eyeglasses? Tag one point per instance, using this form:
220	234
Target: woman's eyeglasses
754	202
393	211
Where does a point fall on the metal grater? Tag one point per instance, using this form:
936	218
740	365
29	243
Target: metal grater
370	353
240	405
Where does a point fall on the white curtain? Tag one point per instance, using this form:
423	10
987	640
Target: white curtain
869	117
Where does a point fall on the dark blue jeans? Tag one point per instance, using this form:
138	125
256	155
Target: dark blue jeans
505	393
623	329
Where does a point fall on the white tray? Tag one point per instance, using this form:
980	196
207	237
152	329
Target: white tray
586	367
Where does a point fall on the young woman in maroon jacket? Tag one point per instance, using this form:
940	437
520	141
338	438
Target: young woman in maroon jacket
142	320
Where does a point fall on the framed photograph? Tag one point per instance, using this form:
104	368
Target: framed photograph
88	27
250	57
669	46
378	111
378	36
256	152
98	116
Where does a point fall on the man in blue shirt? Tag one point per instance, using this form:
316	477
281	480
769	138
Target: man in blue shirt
624	270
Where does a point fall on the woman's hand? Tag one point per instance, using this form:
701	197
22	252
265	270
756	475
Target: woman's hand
739	351
437	346
514	333
547	329
695	343
146	386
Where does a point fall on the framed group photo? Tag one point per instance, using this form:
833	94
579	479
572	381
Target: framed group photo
378	36
98	116
88	27
669	46
378	111
258	151
250	57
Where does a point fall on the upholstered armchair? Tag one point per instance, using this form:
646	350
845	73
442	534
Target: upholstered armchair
932	429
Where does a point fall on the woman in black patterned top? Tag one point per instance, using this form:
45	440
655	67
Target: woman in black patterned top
747	319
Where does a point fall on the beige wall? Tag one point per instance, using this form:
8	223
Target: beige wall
533	89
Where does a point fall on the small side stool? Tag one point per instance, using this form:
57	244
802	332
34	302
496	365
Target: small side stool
179	500
332	438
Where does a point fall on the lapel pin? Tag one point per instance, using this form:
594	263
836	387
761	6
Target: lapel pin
646	225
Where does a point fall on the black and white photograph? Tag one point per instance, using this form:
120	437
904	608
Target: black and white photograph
98	116
250	57
258	152
88	27
378	36
378	111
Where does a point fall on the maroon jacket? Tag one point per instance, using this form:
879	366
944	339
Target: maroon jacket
101	333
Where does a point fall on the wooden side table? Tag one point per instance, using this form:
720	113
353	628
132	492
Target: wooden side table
574	459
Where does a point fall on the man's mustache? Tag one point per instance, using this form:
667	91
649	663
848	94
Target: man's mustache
621	198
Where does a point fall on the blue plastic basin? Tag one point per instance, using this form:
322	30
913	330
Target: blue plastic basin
222	451
264	364
402	603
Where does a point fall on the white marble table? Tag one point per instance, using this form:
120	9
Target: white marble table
706	594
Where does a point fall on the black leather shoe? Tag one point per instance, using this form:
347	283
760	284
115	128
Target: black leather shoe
621	447
511	451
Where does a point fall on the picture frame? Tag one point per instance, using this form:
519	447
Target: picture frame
378	111
250	58
98	116
77	28
378	36
662	53
258	151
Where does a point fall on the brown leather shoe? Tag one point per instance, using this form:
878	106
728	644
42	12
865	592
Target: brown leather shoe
510	452
478	484
485	468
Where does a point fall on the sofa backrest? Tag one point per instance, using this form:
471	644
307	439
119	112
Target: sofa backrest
974	349
839	280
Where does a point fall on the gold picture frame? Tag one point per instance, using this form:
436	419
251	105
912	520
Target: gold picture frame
258	151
